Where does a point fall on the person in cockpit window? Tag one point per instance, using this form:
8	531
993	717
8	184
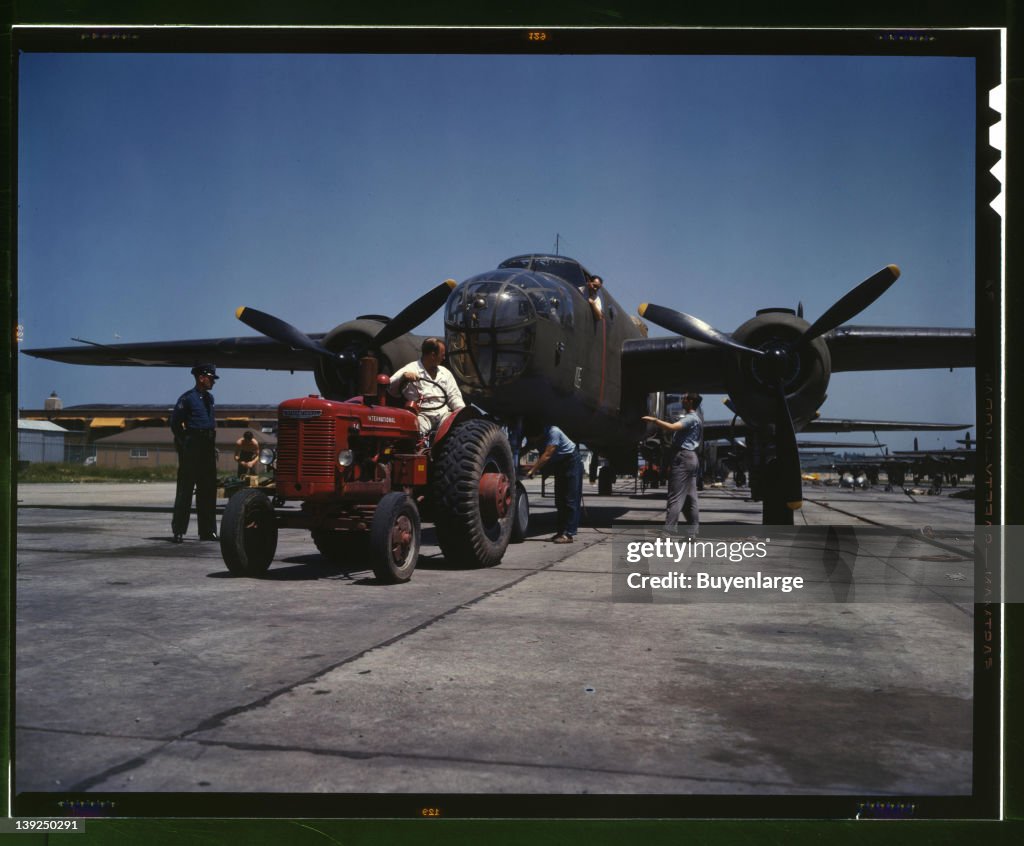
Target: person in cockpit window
592	291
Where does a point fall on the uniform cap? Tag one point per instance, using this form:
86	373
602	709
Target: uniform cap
205	370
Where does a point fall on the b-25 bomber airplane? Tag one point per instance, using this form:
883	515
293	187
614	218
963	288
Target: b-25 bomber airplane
526	348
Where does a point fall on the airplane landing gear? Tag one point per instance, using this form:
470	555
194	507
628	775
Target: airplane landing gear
765	485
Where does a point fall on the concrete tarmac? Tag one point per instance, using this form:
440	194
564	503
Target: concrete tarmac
145	667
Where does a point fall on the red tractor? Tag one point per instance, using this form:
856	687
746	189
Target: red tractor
362	475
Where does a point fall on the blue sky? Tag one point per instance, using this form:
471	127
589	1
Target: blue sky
157	193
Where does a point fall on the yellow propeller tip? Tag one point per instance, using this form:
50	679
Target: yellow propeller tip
451	283
894	270
238	312
641	309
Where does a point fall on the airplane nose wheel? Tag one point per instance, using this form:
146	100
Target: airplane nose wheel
520	514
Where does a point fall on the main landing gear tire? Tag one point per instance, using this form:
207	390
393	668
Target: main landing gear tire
520	514
473	494
395	538
605	480
248	533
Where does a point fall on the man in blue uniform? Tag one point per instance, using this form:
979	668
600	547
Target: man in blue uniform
560	457
195	427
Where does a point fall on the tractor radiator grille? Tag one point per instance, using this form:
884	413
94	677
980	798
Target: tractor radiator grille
314	441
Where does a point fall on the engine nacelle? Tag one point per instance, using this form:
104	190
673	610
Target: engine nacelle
339	379
806	370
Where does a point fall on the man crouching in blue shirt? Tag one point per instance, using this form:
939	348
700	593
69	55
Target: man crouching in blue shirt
195	428
560	457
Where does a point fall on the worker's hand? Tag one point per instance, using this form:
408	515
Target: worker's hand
411	375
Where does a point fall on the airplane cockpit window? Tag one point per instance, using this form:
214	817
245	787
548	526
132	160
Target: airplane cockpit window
567	269
518	261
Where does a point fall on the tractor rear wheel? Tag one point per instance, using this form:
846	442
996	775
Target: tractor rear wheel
473	493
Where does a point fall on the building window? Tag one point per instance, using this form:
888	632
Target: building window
140	452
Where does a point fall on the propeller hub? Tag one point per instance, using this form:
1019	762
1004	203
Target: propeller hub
779	366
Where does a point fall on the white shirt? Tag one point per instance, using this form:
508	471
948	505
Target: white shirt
432	394
595	301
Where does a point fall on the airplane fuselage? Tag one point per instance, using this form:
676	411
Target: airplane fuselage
525	343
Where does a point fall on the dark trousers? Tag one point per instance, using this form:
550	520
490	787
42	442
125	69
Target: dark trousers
197	471
682	491
568	473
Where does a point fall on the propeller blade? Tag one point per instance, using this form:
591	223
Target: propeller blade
415	313
787	454
853	303
691	327
274	327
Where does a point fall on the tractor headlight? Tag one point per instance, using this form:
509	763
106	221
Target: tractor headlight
267	456
345	457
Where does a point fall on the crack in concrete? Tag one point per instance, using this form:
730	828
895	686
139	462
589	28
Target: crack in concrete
219	719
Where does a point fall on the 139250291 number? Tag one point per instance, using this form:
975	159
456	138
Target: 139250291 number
47	825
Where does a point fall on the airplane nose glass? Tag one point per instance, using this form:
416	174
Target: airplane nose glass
489	326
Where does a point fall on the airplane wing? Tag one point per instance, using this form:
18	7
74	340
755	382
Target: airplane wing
280	347
674	365
255	353
683	364
935	453
899	348
803	444
728	429
825	424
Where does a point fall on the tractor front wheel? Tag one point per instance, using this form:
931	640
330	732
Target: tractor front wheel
395	538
